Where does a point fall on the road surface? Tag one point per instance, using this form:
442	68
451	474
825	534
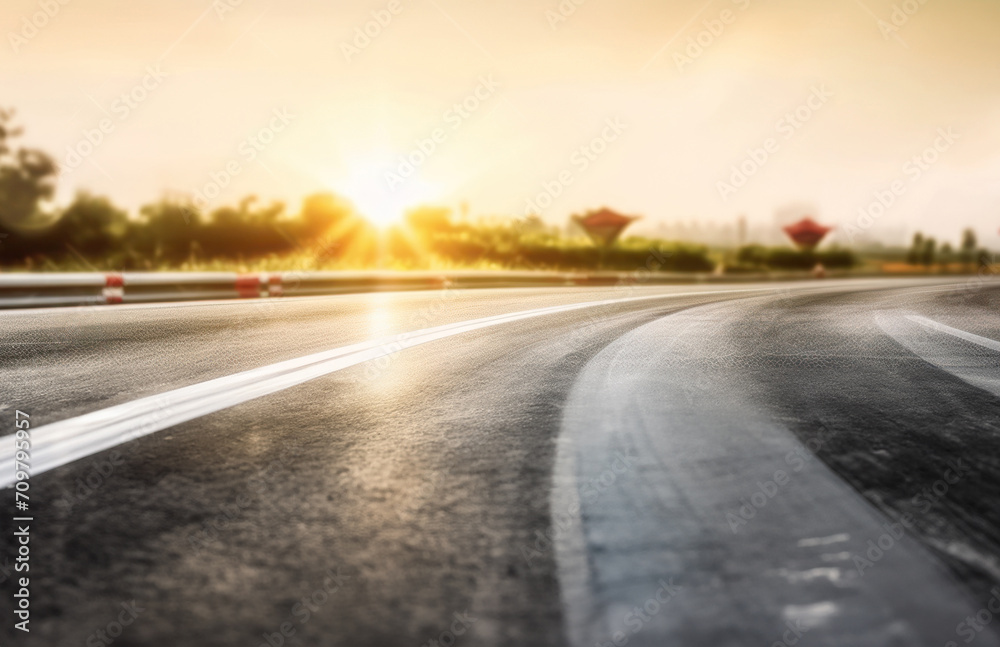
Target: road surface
812	463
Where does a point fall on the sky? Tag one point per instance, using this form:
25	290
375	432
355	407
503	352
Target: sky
879	116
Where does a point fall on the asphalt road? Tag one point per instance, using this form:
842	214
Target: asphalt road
814	464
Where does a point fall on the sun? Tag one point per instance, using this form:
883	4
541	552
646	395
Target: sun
368	183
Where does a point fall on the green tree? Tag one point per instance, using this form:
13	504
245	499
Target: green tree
928	253
245	231
916	249
947	254
325	213
92	226
27	179
987	261
969	242
167	232
755	255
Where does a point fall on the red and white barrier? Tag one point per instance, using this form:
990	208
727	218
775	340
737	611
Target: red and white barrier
274	286
114	288
248	286
40	290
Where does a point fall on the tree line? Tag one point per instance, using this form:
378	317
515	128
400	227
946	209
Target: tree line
327	232
925	251
93	233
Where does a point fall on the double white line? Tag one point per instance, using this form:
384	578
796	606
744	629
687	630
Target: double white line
68	440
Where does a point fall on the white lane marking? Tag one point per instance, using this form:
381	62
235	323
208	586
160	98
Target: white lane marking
985	342
68	440
910	331
824	541
947	287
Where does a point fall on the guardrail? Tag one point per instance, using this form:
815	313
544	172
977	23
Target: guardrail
75	289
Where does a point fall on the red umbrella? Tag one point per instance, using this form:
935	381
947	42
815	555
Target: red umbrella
604	226
807	233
